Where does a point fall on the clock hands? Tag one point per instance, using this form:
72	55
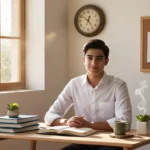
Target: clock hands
88	20
85	18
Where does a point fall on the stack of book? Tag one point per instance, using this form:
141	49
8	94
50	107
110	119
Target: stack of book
21	123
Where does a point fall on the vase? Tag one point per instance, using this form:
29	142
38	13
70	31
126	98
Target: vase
13	114
143	128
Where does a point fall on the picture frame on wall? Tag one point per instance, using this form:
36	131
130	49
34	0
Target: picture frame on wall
145	44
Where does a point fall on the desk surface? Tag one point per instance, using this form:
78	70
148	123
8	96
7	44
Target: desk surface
99	138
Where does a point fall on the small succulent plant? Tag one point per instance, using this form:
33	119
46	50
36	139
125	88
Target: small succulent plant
13	106
143	118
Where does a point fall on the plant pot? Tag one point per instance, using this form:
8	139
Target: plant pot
143	128
13	114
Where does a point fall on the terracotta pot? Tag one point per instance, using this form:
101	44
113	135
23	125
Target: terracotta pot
13	114
143	128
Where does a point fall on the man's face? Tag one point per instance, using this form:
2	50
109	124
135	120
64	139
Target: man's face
94	61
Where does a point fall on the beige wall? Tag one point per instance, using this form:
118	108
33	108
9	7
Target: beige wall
63	57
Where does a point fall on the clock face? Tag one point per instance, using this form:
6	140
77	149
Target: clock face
89	20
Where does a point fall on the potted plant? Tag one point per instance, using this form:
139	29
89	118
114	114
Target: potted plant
13	110
143	124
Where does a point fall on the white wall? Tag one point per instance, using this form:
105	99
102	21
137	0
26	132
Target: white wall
35	44
122	35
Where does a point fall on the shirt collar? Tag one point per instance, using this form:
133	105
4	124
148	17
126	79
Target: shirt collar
85	80
104	80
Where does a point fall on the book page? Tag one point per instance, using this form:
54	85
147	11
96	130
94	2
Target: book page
78	131
65	130
52	128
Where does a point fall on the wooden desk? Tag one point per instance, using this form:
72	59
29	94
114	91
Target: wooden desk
100	138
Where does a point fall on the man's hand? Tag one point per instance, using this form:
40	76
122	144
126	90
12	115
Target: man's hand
77	121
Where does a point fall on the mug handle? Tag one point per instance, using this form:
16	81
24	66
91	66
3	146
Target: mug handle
127	126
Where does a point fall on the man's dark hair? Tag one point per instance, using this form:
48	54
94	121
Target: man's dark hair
96	44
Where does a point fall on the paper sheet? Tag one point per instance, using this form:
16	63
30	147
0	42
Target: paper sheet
148	47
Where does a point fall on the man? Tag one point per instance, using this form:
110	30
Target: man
98	99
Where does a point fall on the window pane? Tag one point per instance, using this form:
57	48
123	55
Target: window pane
9	17
9	60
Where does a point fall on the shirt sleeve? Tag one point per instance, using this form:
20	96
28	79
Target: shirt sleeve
60	106
123	109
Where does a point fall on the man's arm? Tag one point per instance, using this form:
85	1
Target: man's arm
78	121
75	121
59	122
100	126
60	107
103	125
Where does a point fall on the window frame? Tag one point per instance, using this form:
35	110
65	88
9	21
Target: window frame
21	83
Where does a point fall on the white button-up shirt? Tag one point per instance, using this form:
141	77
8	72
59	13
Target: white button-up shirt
108	101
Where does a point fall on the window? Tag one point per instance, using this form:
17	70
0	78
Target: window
12	39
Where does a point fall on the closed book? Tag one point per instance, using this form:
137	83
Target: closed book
19	125
19	119
64	130
17	130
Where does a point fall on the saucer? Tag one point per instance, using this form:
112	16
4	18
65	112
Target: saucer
121	136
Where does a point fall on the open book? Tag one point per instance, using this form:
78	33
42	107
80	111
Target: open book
65	130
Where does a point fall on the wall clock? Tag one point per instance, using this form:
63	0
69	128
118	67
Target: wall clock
89	20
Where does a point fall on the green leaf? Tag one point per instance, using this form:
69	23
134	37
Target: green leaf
143	118
13	106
